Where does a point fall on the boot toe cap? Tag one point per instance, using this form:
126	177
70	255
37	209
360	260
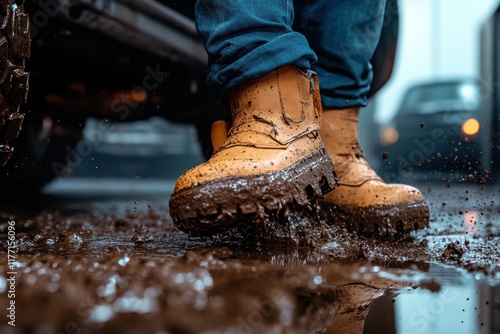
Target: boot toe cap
374	193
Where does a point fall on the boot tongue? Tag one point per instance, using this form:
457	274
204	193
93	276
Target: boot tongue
340	133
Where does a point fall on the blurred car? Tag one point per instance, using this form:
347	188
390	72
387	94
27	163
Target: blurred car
436	127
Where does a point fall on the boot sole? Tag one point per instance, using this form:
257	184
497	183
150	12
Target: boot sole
209	208
389	222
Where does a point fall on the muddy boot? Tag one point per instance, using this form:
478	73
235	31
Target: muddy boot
363	201
272	159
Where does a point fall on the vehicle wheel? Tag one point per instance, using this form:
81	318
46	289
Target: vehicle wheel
14	49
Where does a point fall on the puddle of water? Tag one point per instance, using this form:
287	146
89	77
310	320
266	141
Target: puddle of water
121	267
461	305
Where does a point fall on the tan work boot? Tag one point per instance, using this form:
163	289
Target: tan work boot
273	157
363	201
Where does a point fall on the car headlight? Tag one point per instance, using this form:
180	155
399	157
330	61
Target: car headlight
389	136
470	127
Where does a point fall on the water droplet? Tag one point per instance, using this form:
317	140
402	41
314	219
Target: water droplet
123	262
179	278
3	284
208	281
101	313
199	285
53	287
318	280
190	277
75	238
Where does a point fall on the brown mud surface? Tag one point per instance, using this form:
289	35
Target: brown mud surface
125	268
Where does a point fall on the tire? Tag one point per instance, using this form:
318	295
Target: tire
14	50
46	137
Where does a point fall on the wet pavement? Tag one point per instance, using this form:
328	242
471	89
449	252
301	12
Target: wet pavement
99	254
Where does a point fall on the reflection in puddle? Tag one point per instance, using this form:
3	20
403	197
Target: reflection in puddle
471	220
460	306
451	310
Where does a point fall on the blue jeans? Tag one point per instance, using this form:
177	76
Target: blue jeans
247	39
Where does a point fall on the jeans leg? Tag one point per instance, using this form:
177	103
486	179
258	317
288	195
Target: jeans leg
344	35
246	39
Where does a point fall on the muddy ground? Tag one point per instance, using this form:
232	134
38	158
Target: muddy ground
101	263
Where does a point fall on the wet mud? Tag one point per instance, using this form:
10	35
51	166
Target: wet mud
125	268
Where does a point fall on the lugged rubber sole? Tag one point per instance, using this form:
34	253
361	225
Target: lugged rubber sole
388	222
208	208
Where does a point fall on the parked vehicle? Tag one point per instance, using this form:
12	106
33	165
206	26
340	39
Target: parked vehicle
118	60
436	127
